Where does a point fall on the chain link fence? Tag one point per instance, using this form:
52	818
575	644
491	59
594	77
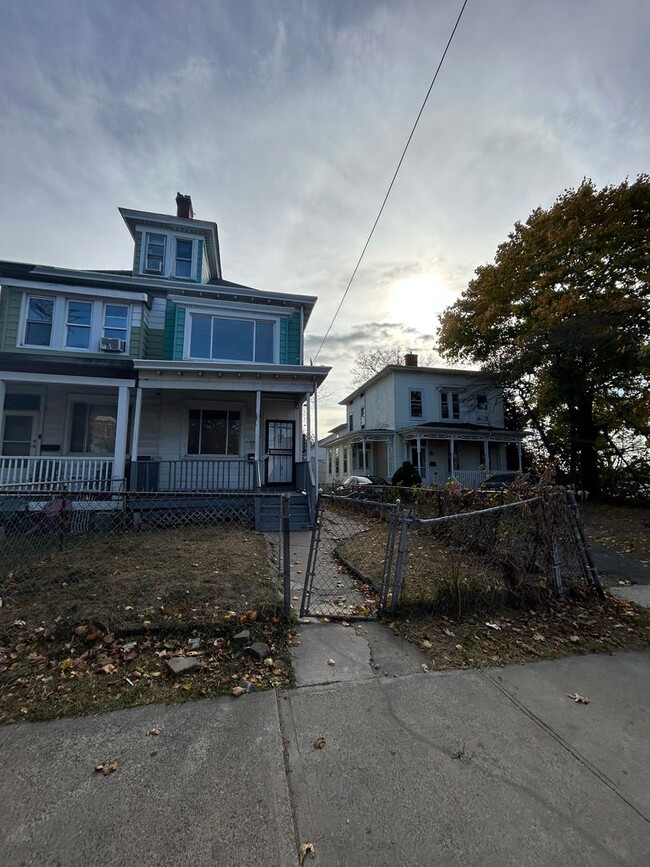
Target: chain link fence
135	557
367	556
350	560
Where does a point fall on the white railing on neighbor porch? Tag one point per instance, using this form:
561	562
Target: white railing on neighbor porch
52	473
474	478
193	474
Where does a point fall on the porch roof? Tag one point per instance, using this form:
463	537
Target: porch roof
435	430
359	436
244	377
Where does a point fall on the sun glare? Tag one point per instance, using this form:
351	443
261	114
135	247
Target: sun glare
416	301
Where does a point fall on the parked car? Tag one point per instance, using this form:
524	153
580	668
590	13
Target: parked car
359	486
502	481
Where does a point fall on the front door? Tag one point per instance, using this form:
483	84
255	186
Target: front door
279	452
19	434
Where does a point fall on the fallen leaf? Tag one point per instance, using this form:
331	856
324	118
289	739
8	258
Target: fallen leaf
306	849
319	743
154	731
579	699
426	644
331	662
109	668
107	768
574	638
237	691
449	633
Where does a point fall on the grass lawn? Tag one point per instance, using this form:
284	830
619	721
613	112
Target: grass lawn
89	628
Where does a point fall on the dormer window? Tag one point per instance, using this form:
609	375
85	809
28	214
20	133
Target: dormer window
155	253
183	260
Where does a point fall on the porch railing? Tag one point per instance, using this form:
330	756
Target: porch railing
193	475
42	473
475	478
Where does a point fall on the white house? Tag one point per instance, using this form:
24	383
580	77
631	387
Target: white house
448	423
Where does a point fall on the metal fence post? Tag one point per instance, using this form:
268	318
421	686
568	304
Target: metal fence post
401	557
584	544
285	528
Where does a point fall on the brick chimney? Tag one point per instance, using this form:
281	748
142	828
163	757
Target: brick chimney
410	359
184	206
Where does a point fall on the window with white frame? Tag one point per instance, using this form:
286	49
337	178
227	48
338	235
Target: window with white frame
116	321
214	432
39	321
154	255
416	403
345	461
72	323
329	461
183	258
227	338
359	456
351	422
363	418
450	405
92	428
78	325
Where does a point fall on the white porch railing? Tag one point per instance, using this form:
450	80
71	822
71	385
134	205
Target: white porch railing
474	478
42	473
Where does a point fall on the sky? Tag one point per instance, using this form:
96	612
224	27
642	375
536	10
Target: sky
285	119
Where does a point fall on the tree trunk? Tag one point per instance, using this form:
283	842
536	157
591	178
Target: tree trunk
587	434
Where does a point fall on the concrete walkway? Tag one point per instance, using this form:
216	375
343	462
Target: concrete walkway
617	569
495	767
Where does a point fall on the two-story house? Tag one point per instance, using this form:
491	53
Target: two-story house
163	377
448	423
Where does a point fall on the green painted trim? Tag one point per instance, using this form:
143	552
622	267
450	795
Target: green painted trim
170	327
284	330
10	302
156	344
293	340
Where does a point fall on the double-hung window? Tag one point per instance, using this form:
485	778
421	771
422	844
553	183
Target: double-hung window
214	432
116	321
229	339
79	320
154	261
416	403
450	405
351	422
38	326
183	258
363	418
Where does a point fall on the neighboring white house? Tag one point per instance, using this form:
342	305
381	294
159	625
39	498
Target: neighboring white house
448	423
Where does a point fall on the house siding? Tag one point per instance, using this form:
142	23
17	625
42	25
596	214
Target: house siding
199	262
10	315
293	340
137	248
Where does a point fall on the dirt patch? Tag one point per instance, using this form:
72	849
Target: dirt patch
625	529
555	629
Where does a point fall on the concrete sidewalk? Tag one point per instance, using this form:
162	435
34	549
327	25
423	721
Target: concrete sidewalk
492	767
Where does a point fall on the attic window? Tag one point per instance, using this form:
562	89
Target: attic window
183	261
155	253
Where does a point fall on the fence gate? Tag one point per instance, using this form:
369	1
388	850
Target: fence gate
352	559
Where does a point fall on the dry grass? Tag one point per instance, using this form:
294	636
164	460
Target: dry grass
88	629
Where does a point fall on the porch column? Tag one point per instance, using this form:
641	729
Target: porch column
365	456
3	391
316	473
486	449
308	405
121	422
418	446
258	445
135	430
297	449
452	443
519	453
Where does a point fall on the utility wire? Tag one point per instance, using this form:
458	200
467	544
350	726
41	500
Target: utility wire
390	186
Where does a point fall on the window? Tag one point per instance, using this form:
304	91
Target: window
38	328
351	422
116	318
329	461
416	404
213	432
183	262
345	461
363	418
359	455
450	405
337	461
229	339
78	324
154	261
481	402
93	428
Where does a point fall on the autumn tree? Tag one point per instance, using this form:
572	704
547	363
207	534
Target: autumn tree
562	316
368	362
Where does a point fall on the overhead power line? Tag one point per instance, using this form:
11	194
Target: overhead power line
393	179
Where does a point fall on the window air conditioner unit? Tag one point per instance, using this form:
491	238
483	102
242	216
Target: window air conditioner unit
112	344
